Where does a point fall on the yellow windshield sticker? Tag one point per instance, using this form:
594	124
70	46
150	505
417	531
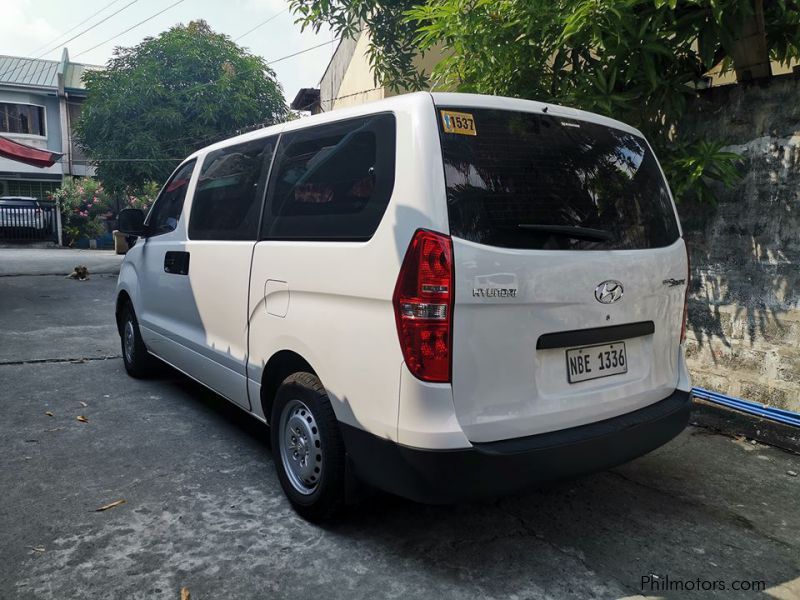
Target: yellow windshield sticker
458	122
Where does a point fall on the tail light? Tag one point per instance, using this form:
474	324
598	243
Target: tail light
423	306
686	293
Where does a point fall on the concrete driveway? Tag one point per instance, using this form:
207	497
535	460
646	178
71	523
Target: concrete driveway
55	261
203	508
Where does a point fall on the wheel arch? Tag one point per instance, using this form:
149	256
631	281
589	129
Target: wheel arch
123	299
280	365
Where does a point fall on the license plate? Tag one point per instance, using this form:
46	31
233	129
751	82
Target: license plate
593	362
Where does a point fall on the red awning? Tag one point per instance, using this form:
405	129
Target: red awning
27	154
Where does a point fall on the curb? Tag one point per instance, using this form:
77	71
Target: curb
733	423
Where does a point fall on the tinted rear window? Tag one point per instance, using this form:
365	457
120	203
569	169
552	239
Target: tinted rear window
536	181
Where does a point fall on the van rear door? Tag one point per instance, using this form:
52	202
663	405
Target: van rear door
570	271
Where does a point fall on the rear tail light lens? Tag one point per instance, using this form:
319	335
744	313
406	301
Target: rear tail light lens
423	306
686	294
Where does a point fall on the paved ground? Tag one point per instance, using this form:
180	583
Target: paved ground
204	509
55	261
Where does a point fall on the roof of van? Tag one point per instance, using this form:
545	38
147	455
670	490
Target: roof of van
420	100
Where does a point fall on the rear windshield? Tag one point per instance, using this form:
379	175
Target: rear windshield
523	180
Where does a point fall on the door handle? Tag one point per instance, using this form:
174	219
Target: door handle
176	263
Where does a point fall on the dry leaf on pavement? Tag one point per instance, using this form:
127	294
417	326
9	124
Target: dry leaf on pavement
185	595
82	419
109	505
83	404
49	414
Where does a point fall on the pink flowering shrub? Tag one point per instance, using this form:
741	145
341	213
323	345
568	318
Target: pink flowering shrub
86	207
144	197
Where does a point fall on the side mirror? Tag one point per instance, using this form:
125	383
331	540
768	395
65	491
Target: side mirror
130	221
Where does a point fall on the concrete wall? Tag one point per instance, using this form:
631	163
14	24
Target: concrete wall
744	308
335	71
349	79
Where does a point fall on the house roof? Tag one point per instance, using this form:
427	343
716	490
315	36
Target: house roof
39	73
305	99
74	73
28	72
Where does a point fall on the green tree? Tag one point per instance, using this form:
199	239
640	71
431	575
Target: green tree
639	61
170	95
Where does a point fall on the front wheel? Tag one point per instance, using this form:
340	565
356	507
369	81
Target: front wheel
307	447
138	361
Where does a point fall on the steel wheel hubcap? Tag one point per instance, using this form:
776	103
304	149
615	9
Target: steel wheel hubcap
128	340
300	446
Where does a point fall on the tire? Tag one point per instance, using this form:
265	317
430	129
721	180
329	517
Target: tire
138	361
307	448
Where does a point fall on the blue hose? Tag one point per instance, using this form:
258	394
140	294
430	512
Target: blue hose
765	412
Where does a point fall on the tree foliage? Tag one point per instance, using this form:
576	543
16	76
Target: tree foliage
635	60
161	100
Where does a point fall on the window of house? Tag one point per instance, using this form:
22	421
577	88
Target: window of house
332	182
167	209
21	118
228	197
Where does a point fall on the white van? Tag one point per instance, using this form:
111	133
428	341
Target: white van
447	296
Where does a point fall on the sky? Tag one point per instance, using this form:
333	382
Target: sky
34	27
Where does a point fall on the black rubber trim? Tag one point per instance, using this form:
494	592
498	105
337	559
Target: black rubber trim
584	433
504	467
596	335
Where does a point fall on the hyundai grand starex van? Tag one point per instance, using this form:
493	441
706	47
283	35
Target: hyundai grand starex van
446	296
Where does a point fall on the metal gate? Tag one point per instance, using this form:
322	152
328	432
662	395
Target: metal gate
29	223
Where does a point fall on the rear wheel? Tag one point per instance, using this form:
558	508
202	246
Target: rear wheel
138	362
307	447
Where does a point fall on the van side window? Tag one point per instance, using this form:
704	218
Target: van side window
167	209
227	199
332	182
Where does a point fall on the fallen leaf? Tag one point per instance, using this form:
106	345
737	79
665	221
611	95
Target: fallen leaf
110	505
82	419
84	404
49	414
185	595
37	548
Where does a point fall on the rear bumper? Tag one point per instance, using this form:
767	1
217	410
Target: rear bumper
499	468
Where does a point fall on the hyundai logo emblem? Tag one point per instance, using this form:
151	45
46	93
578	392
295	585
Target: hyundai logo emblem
608	292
